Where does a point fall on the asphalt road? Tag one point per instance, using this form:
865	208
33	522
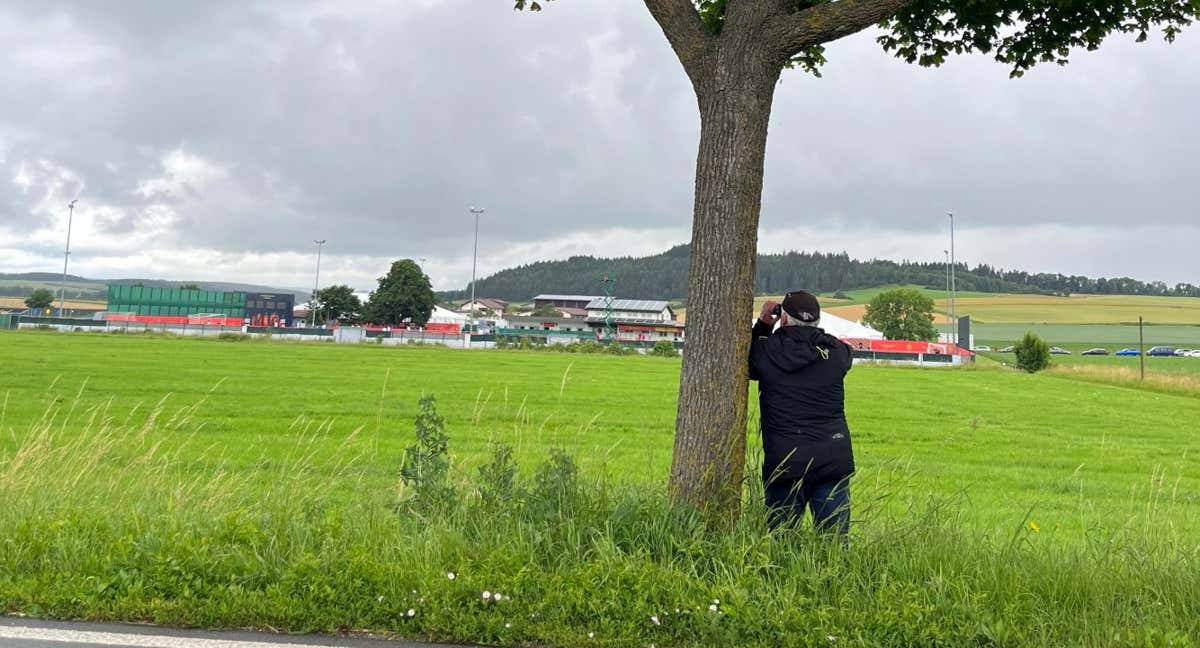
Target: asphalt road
34	633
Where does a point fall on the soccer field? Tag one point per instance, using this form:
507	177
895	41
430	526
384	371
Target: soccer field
121	426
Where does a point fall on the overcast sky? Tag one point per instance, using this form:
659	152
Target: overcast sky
216	139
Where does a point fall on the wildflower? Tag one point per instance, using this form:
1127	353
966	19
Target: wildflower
379	598
487	595
831	638
1033	526
450	575
507	625
591	635
411	612
654	619
716	601
712	608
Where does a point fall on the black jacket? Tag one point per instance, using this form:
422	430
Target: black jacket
801	396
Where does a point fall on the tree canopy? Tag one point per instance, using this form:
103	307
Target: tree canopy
404	295
41	298
336	302
1017	33
902	314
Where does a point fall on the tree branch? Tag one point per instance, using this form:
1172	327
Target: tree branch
681	24
798	31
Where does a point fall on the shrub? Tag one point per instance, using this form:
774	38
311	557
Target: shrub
426	467
1033	354
498	478
664	349
232	337
840	295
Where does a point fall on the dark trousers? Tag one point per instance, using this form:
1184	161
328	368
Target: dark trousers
829	501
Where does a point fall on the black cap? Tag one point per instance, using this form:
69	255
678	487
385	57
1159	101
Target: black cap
802	305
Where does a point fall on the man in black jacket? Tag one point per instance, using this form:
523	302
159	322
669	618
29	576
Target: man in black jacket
808	458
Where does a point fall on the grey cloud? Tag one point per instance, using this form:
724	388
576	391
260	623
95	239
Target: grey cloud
376	123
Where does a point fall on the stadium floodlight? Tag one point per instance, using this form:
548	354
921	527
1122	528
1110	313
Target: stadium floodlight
312	311
474	257
62	291
953	286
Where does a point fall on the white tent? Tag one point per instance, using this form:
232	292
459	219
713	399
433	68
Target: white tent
845	329
445	316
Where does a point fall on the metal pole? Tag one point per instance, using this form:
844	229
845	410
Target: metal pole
312	310
953	286
474	258
1141	347
948	323
62	291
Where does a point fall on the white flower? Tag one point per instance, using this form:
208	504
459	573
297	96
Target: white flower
498	596
591	635
412	612
712	608
450	575
654	619
507	625
831	638
379	598
487	595
716	601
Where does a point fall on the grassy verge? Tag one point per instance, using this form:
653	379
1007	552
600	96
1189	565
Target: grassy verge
1179	383
104	524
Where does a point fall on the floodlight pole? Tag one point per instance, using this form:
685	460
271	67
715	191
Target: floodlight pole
312	310
949	323
953	286
474	257
62	290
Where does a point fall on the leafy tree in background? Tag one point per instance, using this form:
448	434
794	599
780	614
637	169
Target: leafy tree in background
40	299
405	293
190	286
1033	353
733	52
336	303
546	311
902	314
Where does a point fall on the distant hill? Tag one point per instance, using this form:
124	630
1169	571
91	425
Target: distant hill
23	284
664	276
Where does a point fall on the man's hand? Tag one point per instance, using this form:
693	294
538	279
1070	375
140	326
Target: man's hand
768	316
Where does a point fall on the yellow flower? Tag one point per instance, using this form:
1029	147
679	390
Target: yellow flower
1033	526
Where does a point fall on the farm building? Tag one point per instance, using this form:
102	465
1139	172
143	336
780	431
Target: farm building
642	320
485	307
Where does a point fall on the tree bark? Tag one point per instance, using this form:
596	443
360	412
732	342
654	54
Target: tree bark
710	431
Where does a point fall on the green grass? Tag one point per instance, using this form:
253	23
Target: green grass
254	485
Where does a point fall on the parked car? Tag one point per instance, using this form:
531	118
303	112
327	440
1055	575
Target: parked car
1059	351
1128	352
983	347
1162	351
1096	351
1007	349
1179	353
1194	354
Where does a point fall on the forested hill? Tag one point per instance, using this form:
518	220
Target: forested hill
664	276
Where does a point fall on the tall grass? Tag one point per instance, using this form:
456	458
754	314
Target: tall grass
147	522
1180	384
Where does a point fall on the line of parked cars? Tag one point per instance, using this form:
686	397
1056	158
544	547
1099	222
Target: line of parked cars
1158	351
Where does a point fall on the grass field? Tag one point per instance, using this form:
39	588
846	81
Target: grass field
218	483
1088	335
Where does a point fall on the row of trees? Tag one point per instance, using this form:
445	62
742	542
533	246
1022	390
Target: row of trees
666	275
404	294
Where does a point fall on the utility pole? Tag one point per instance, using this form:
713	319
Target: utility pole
949	324
953	287
474	257
62	291
1142	347
312	303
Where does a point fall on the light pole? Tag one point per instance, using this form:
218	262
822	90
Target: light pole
312	309
953	287
948	325
474	257
62	291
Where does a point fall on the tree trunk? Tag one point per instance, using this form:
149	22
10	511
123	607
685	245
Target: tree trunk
710	429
